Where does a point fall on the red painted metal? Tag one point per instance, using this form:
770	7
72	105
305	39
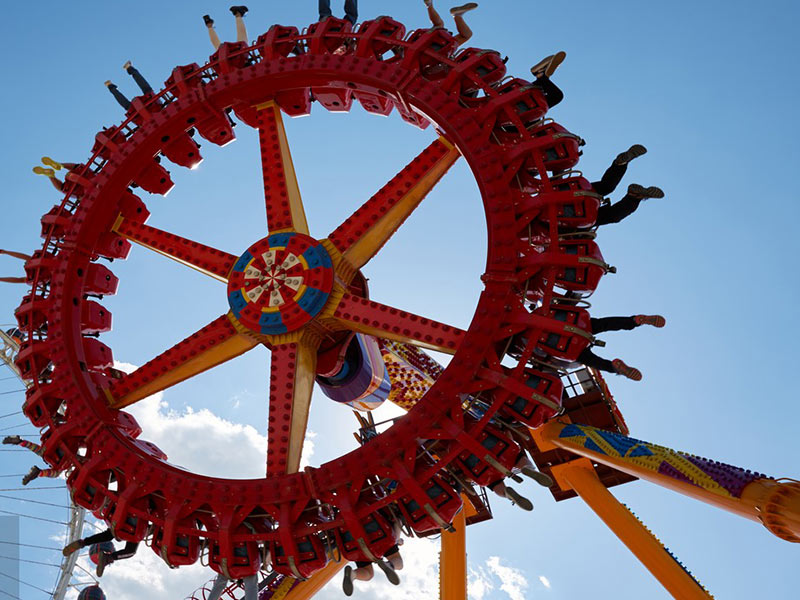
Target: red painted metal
282	382
274	167
204	340
496	126
362	313
201	257
376	207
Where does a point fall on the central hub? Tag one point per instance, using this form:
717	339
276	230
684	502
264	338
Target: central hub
280	283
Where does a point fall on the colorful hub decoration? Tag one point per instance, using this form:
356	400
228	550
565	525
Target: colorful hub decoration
280	283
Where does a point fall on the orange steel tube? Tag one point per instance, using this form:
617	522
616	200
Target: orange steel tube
307	589
453	561
773	503
580	476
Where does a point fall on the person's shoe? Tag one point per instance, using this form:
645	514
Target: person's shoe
347	582
70	548
46	160
12	439
208	21
555	62
127	65
389	571
102	562
634	151
460	10
539	68
630	372
32	474
518	499
238	11
541	478
641	192
107	83
43	171
428	3
654	320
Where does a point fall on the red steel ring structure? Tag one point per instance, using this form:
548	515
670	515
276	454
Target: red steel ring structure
291	292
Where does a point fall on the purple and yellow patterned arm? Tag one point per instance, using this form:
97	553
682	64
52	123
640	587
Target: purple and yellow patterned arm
775	503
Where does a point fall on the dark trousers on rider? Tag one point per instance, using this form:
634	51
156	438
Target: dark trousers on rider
614	213
350	10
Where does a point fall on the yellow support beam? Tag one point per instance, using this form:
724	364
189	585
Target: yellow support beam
308	588
453	561
580	476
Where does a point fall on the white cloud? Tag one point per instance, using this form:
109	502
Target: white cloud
146	576
193	440
479	583
418	579
544	581
512	581
198	440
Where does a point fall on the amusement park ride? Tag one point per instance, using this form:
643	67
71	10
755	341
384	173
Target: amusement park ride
306	300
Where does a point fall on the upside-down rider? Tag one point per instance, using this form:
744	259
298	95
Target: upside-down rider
35	471
105	558
241	29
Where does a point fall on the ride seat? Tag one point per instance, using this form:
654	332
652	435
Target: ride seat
100	280
41	403
278	42
379	36
437	505
500	455
526	409
475	69
94	318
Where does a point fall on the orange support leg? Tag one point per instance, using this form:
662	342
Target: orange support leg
307	589
453	561
580	476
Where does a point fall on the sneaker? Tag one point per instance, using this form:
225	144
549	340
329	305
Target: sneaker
428	3
555	62
654	320
641	192
43	171
102	562
630	372
541	478
518	499
634	151
539	68
460	10
208	21
70	548
548	65
32	474
12	439
238	11
347	583
389	571
107	83
46	160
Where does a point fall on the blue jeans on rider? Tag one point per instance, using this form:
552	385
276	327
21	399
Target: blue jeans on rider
350	10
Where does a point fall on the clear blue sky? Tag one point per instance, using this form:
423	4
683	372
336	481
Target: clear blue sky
710	88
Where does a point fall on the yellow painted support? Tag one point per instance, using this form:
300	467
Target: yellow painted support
296	208
306	370
379	233
215	355
307	589
580	476
453	561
